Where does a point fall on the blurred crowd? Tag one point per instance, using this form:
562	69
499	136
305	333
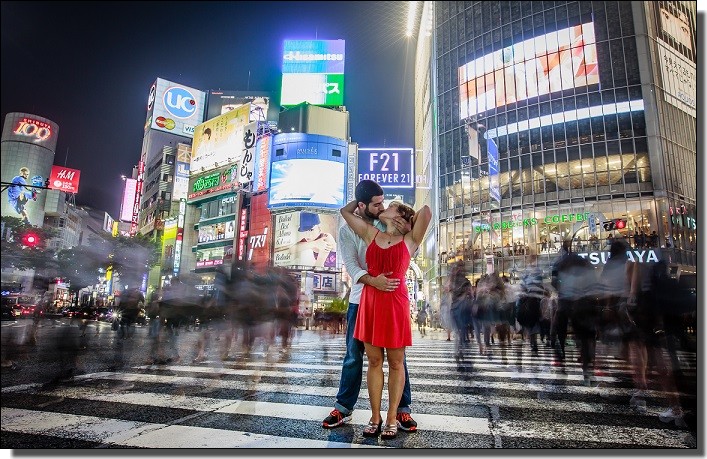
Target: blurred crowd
631	309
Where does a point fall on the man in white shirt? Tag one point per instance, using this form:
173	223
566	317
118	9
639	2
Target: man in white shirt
353	252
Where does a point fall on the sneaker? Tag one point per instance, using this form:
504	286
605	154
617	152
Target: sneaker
335	419
406	422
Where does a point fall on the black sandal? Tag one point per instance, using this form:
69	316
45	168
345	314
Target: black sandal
389	432
372	429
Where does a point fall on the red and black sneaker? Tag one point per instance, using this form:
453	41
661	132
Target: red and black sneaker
335	419
406	422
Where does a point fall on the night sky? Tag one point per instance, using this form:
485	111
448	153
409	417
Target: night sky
88	67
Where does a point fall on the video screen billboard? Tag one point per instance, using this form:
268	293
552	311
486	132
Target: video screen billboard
308	171
219	141
313	71
176	108
545	64
221	102
305	239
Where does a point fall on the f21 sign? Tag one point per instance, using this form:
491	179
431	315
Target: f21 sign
64	179
389	167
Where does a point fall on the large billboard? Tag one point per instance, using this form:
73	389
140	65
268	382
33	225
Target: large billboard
552	62
261	168
313	71
308	171
175	108
212	183
305	239
219	141
221	102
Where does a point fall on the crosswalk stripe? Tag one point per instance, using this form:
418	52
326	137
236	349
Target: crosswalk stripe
659	438
149	435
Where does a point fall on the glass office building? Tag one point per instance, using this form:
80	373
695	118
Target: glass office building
557	120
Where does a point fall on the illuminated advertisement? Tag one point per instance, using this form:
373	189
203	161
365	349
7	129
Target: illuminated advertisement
176	108
138	194
64	179
315	88
221	102
219	141
126	206
169	240
297	158
494	187
180	236
107	223
208	258
313	71
180	189
217	232
261	168
389	167
305	239
214	182
545	64
22	197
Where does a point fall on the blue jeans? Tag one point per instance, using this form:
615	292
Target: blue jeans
352	371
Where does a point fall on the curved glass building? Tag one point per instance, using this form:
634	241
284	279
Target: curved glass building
542	121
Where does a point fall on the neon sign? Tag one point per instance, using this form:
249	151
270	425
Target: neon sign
39	130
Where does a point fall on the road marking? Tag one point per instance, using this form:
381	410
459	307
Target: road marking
148	435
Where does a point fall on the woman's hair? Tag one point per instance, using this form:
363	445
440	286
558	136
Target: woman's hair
406	212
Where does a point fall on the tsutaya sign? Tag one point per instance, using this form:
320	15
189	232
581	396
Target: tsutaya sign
639	256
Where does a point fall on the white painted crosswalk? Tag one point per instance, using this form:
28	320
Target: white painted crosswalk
272	400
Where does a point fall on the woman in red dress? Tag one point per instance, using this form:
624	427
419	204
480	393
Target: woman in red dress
383	320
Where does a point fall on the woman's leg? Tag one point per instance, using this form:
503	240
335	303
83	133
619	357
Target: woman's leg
396	381
374	380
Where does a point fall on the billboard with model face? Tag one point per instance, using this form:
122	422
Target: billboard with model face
175	108
219	141
305	239
552	62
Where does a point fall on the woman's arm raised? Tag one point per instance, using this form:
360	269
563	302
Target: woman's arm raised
420	222
361	227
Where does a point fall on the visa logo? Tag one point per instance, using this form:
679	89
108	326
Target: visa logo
188	129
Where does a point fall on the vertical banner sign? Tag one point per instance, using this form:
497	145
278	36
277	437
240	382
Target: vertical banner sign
180	236
138	194
245	173
262	164
494	188
242	233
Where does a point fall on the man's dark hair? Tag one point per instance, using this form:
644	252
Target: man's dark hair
366	190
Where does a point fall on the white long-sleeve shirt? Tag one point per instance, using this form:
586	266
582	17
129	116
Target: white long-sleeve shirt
353	254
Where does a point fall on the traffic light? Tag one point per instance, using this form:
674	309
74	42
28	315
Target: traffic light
30	239
615	224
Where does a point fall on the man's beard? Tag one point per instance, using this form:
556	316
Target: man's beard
369	214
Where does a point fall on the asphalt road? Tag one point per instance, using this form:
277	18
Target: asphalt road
275	398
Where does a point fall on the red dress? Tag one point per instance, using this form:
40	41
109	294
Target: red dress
384	317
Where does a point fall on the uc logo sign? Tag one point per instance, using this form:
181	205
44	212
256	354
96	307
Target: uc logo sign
179	102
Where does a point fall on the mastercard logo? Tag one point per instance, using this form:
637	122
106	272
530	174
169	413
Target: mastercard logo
163	122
